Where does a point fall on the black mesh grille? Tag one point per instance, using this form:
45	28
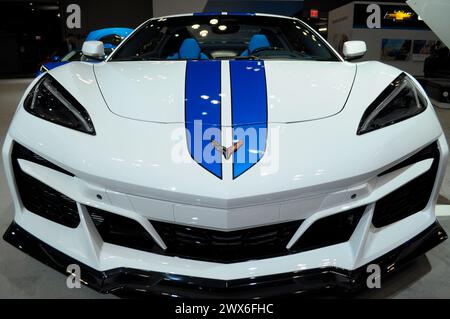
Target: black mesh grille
123	231
226	247
331	230
39	198
411	197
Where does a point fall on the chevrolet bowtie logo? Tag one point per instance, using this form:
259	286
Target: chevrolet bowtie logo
227	152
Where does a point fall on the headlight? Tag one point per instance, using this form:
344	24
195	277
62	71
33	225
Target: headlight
50	101
399	101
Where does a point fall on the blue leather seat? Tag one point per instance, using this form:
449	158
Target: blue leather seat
189	49
257	41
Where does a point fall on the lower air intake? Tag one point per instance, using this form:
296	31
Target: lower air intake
123	231
411	197
226	247
330	230
39	198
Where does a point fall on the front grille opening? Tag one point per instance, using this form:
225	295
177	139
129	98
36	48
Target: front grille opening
122	231
411	197
39	198
226	247
330	230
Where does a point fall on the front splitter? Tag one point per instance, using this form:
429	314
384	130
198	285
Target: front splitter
128	282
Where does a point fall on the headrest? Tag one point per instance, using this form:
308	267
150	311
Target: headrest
258	41
190	49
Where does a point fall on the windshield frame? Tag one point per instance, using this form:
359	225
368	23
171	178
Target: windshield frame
143	25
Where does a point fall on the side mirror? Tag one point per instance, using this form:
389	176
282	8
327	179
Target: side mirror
354	50
93	50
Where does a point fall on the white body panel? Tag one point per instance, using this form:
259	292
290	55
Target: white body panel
132	160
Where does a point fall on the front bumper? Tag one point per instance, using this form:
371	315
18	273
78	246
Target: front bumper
128	282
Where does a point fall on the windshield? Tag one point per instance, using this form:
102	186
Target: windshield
224	37
72	56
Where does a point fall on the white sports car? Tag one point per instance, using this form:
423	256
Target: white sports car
225	155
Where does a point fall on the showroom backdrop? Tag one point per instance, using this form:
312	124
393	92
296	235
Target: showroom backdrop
31	31
403	41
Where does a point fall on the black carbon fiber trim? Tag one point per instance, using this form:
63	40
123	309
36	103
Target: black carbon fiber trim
127	282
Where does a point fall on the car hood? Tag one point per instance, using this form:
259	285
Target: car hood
292	91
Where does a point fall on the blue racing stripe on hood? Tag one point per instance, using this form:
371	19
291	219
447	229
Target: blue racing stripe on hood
249	112
203	113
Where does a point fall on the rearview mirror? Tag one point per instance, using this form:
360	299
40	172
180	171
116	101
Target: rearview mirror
354	50
93	50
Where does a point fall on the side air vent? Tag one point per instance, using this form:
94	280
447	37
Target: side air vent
411	197
39	198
